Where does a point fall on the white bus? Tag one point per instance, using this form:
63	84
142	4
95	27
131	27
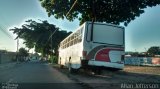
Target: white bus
93	45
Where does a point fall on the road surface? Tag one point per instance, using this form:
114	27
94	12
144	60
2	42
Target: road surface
35	75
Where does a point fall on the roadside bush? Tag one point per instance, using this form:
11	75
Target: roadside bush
54	59
14	59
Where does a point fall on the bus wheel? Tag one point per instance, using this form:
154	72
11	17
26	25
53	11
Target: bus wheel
97	71
61	66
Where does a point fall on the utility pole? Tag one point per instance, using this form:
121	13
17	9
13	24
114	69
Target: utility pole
145	51
51	49
17	48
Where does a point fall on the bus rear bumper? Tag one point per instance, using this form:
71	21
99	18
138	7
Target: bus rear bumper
105	64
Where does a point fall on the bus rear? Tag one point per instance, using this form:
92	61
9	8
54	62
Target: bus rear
103	46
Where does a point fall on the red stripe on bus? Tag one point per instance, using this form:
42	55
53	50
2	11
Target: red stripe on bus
103	55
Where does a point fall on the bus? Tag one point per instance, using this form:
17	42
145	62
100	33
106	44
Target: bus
93	45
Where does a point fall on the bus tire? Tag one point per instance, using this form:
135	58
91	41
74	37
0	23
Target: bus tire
61	66
97	71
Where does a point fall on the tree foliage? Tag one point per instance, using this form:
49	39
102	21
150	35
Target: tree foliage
38	35
155	50
110	11
23	52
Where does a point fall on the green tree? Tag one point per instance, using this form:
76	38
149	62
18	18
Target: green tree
110	11
155	50
38	35
23	52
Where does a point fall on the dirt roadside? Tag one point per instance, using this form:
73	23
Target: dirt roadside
115	79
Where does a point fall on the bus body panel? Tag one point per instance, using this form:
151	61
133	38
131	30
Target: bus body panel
107	44
73	53
105	36
70	55
105	64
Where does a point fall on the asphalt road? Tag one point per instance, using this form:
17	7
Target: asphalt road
35	75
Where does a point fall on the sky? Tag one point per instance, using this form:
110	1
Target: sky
140	34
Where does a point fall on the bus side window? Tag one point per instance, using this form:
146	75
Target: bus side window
78	32
82	31
67	44
64	42
73	42
74	36
70	43
80	38
76	40
88	35
62	45
68	39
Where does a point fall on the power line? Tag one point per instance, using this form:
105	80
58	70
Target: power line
51	36
3	27
5	32
71	7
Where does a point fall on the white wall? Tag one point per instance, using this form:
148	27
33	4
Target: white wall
6	57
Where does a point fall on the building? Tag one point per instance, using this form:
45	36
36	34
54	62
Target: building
6	57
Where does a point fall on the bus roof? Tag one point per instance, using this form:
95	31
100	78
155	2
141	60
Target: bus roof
74	31
103	23
89	22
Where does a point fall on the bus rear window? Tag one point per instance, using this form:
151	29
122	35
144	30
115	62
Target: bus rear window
107	34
